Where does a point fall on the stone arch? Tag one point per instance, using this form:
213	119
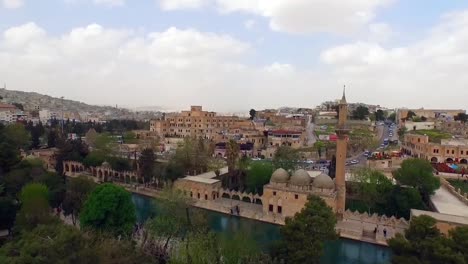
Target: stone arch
463	161
434	160
449	160
133	179
236	197
73	168
127	179
258	201
246	199
99	173
226	195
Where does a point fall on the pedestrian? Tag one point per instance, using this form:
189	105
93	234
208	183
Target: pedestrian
385	233
375	230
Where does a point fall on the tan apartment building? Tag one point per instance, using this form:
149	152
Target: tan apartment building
430	114
194	123
449	150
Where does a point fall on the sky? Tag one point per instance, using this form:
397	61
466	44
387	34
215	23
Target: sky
233	55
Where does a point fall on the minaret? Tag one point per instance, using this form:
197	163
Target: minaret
341	146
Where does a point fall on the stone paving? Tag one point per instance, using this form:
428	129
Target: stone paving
446	203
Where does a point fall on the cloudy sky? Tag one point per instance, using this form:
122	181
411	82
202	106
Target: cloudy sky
232	55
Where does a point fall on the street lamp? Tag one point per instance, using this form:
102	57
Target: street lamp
62	114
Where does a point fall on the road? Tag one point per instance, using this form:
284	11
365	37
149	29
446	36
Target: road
383	131
311	139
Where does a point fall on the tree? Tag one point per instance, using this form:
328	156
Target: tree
392	117
232	153
462	117
314	225
95	158
35	207
147	160
252	114
423	243
258	175
361	112
51	138
19	106
319	145
74	150
56	186
459	236
373	187
286	158
423	118
7	213
418	173
109	208
18	135
59	243
379	115
410	115
78	190
400	201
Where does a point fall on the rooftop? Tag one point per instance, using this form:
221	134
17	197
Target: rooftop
210	174
200	179
463	220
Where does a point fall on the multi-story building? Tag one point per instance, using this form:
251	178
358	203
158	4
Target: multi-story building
194	123
449	150
429	114
8	113
46	115
291	138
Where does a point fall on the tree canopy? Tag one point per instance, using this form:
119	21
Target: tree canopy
423	243
361	112
418	173
286	158
35	207
77	191
314	225
109	208
258	174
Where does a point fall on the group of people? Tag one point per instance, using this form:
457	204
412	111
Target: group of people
235	210
384	231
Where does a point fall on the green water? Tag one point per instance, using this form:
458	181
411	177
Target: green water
342	251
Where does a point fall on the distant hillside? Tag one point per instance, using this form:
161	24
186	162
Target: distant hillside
32	101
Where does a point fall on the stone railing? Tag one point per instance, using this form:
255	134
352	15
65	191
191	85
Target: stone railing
376	219
243	196
463	197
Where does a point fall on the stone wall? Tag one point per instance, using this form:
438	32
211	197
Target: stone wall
456	192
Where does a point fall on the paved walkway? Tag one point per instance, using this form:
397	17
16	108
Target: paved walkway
446	203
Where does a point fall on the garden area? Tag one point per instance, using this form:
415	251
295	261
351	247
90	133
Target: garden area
460	184
434	135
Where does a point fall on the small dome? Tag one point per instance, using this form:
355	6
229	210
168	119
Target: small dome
300	177
106	164
280	176
323	181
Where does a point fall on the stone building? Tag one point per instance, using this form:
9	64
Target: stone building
448	150
194	123
430	114
286	195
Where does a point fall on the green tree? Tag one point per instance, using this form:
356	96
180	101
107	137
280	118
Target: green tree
109	208
392	117
410	115
319	146
400	201
361	112
232	153
95	158
462	117
459	236
147	160
258	175
52	138
35	207
423	243
77	191
74	150
314	225
286	158
379	115
56	186
7	213
252	114
418	173
373	186
18	135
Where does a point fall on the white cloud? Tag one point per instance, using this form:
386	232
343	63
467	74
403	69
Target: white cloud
297	16
13	4
249	24
432	70
182	4
110	2
380	32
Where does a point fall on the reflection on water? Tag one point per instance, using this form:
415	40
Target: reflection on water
342	251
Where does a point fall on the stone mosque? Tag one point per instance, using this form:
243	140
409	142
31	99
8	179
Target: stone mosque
285	194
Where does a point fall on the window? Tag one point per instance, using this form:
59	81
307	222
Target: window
280	209
453	151
296	196
274	193
191	194
198	195
270	208
448	151
206	196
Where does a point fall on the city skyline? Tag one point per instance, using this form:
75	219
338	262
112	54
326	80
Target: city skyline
231	56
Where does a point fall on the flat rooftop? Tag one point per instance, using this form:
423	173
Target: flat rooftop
200	179
446	203
462	220
211	174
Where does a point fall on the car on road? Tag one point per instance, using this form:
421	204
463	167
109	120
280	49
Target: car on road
354	162
256	159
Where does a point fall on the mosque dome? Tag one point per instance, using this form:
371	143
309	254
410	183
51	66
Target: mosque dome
323	181
280	176
106	164
300	177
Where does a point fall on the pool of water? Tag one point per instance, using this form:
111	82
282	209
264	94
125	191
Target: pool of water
342	251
